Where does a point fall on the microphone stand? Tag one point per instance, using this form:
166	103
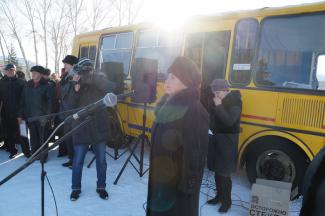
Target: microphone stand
42	154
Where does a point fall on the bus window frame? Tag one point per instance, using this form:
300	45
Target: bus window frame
281	88
253	62
228	33
116	33
159	32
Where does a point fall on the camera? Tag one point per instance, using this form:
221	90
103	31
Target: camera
83	67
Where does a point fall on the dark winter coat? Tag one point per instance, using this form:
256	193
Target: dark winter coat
92	88
66	96
36	100
223	145
177	160
313	189
11	89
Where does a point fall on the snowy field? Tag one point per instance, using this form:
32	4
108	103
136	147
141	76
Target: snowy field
21	196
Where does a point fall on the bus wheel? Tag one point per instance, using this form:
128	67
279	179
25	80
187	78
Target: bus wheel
277	159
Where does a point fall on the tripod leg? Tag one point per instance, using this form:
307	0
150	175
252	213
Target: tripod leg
91	162
115	153
126	162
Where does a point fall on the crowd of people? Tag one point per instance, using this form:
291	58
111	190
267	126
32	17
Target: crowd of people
186	135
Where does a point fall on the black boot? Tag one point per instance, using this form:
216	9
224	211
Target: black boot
217	198
226	194
75	195
214	200
102	193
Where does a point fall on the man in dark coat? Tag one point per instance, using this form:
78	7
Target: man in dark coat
11	89
66	100
313	189
179	144
36	101
89	88
222	154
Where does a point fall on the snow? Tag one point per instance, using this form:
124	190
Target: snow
21	195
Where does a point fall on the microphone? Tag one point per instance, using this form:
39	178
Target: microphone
110	100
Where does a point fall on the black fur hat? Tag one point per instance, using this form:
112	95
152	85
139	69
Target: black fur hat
38	68
70	59
47	71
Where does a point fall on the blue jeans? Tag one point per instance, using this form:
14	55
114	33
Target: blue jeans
78	161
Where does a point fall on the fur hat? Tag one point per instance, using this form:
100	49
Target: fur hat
186	71
70	59
47	71
219	85
38	68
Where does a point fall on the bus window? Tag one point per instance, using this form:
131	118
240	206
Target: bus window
162	47
320	72
115	53
193	48
244	51
92	53
287	51
215	55
84	52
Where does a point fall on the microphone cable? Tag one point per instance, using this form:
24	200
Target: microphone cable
53	195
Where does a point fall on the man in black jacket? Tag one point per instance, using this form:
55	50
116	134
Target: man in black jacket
37	101
66	103
11	89
89	88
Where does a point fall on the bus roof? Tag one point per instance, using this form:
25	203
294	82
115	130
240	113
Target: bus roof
233	15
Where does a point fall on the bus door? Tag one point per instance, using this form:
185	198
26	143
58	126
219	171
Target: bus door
209	50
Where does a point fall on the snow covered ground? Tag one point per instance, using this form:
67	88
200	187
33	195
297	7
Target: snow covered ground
21	196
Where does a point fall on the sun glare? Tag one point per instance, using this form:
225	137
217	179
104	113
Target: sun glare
169	14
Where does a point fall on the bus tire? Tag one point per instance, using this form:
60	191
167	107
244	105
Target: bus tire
276	158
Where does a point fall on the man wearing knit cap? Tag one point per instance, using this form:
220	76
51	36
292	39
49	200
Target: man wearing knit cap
36	101
66	101
222	154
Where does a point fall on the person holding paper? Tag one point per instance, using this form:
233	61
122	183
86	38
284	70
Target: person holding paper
11	88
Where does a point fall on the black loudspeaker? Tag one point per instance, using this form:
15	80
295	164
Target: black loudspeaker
144	80
114	72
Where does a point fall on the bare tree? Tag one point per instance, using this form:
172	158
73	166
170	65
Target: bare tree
30	14
120	11
12	24
98	12
59	31
42	15
74	12
132	10
3	52
4	40
127	10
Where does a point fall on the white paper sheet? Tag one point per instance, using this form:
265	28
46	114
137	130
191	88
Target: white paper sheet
23	129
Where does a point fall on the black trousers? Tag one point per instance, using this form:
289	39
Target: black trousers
38	135
66	148
12	137
224	186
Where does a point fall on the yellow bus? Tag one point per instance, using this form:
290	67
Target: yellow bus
274	56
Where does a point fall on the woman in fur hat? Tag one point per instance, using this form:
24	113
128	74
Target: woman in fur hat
179	144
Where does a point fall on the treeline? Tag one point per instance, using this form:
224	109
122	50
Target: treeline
46	27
